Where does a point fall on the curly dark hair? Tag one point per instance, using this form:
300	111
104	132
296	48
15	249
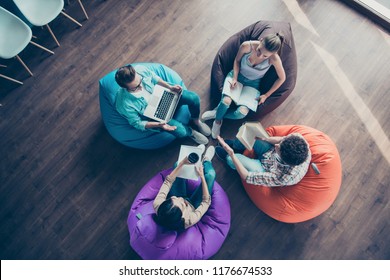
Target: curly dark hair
125	75
294	150
170	216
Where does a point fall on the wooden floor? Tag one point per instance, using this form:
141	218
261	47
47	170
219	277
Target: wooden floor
67	186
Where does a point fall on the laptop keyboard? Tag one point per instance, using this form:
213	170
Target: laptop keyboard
164	105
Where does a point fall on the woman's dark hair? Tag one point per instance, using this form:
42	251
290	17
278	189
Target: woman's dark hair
273	42
294	150
170	216
125	75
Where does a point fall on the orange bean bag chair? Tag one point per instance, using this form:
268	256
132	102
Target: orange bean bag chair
315	193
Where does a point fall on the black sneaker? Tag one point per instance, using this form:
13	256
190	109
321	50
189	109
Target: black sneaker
221	153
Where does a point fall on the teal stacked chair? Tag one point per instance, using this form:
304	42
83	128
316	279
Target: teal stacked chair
42	12
15	35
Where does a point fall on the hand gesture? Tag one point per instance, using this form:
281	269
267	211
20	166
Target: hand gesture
185	161
227	148
199	170
260	138
233	83
262	99
167	127
176	88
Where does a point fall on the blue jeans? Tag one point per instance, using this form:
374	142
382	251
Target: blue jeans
192	100
234	112
253	165
179	187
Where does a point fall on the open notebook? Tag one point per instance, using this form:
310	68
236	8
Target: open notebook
249	131
242	95
188	171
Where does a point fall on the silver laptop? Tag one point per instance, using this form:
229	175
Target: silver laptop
162	104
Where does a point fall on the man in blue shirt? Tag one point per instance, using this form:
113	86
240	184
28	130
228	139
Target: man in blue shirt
137	83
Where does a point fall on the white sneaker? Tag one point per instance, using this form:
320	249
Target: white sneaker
216	130
210	152
203	128
202	147
199	137
209	115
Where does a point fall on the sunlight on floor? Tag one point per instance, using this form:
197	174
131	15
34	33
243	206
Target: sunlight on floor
385	36
364	113
299	15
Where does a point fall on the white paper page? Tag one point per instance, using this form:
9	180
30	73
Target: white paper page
257	129
188	171
233	93
248	132
244	136
251	135
249	97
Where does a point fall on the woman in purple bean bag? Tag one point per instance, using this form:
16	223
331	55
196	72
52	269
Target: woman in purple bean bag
200	241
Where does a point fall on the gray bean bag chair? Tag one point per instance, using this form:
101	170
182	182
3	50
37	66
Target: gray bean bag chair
223	64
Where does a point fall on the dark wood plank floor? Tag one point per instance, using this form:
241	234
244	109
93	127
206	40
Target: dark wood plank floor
67	186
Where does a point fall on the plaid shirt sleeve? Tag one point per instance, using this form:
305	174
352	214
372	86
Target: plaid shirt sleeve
284	175
268	179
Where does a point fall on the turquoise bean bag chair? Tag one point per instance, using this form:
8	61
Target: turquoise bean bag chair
120	129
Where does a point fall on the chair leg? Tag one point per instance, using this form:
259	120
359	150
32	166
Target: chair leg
24	65
41	47
52	35
10	79
82	7
72	19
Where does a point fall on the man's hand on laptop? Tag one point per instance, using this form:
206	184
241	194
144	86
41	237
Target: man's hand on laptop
176	88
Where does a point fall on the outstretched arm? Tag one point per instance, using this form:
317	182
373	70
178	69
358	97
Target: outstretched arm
195	216
161	125
174	88
176	170
272	140
242	171
277	63
205	189
245	47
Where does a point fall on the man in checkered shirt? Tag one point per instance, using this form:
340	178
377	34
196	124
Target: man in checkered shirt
282	161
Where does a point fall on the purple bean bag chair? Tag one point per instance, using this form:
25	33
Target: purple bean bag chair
200	241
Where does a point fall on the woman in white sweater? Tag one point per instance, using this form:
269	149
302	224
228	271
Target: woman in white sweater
174	208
